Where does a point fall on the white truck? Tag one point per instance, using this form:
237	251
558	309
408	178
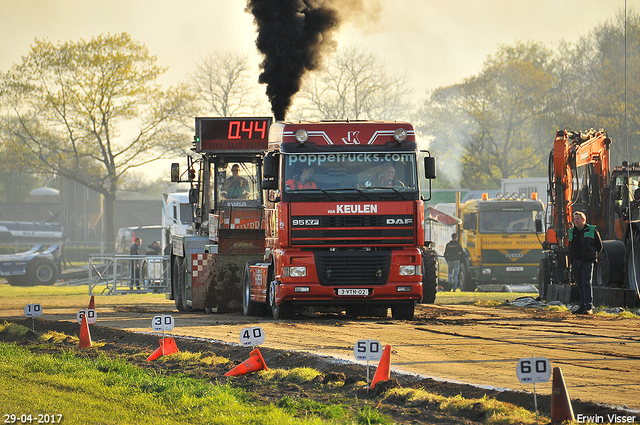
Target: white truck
527	185
177	217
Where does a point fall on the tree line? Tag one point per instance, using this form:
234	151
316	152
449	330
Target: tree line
94	111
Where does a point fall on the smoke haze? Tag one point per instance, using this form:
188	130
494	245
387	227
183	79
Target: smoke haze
293	36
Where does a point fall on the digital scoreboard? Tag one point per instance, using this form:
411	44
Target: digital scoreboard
232	134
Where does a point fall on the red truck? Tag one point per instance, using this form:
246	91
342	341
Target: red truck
344	221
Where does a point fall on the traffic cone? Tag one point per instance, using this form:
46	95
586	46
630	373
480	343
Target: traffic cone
382	372
167	347
92	304
561	409
85	336
252	364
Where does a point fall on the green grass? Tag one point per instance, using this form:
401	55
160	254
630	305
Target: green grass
479	298
110	391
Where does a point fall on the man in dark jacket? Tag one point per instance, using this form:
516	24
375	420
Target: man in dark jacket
454	253
584	245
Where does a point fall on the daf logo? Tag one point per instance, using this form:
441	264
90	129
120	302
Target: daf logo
514	255
392	221
306	222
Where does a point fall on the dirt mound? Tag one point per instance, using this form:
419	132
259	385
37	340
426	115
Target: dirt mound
135	347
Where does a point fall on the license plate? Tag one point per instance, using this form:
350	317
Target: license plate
515	269
353	291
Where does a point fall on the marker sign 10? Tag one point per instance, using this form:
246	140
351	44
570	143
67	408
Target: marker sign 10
33	310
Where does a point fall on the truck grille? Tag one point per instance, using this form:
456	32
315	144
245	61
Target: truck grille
368	230
353	267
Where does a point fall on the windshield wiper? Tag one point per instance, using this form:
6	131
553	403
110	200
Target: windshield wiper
392	188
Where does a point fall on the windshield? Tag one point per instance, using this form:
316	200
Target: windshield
237	184
348	171
509	221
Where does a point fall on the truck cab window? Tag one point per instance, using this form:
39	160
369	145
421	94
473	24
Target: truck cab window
237	184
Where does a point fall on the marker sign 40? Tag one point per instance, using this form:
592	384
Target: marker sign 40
252	336
33	310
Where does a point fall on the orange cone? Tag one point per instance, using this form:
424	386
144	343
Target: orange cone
85	336
561	409
382	372
167	347
252	364
92	304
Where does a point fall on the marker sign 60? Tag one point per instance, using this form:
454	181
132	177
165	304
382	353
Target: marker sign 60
533	369
33	310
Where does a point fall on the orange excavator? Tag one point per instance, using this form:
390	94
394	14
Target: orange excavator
581	179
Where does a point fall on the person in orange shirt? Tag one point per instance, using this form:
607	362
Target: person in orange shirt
304	182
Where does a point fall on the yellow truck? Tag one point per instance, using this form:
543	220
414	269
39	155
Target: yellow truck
502	246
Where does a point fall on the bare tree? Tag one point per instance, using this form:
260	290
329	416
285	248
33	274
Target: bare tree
91	111
221	85
355	85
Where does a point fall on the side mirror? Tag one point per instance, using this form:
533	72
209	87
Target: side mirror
538	225
175	172
429	167
270	169
193	195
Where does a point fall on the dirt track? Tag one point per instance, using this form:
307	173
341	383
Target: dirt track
478	345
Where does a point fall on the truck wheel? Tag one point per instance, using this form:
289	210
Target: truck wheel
42	271
544	278
609	270
177	277
250	308
282	311
633	267
466	284
429	277
17	280
404	311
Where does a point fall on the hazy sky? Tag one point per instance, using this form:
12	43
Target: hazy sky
440	42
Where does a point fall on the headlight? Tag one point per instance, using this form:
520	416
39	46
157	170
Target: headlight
299	271
410	270
486	271
403	289
400	135
301	289
302	136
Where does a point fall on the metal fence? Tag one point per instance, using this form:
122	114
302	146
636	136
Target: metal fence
129	274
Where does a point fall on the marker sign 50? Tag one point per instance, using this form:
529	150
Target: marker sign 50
368	350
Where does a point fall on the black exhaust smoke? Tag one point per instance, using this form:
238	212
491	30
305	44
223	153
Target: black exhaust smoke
292	36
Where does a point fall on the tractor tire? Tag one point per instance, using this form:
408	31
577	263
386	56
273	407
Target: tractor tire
42	271
178	279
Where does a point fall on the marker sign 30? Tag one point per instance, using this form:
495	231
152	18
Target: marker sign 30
533	369
33	310
368	350
92	317
252	336
162	323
